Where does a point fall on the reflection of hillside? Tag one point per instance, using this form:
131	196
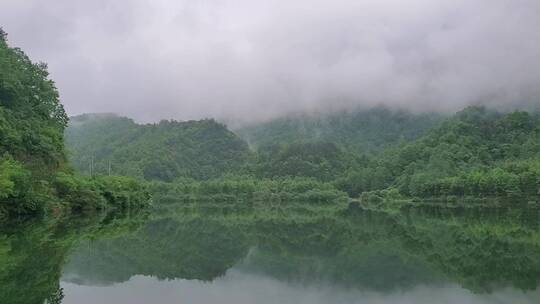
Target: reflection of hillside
480	248
356	251
26	255
32	254
165	248
367	250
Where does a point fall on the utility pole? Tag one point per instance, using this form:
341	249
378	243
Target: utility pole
109	167
92	166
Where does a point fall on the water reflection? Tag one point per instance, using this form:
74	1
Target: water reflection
281	255
32	253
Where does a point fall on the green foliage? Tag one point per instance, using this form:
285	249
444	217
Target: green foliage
11	172
322	161
32	120
21	193
248	189
509	179
84	193
123	192
32	123
80	192
476	152
164	151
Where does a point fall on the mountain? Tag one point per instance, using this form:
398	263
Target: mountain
32	122
477	151
324	161
364	131
162	151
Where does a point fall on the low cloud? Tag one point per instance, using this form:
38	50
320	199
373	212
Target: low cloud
250	60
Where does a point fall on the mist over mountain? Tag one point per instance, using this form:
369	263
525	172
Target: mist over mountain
257	60
364	131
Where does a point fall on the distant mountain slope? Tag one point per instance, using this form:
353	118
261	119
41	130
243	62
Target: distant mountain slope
475	152
323	161
362	130
163	151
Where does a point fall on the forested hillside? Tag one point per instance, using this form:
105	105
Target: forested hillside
163	151
323	161
32	121
34	174
477	152
359	130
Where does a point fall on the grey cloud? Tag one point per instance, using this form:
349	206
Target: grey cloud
249	59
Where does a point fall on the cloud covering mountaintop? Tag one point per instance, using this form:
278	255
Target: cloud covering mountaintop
254	59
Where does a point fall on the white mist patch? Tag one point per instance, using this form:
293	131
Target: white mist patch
253	60
240	288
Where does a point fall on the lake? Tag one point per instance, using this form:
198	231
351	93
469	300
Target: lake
281	254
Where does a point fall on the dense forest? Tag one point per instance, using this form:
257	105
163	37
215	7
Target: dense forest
163	151
34	173
248	189
477	152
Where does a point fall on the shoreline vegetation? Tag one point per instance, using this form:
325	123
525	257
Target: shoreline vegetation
35	177
380	158
477	155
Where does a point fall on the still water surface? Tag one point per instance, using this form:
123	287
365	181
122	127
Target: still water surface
282	255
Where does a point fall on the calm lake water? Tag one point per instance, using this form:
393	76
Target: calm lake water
280	255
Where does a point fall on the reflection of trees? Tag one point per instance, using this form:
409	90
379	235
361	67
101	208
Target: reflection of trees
167	249
32	255
478	248
354	251
33	264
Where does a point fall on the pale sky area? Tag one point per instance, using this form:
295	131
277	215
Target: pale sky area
254	59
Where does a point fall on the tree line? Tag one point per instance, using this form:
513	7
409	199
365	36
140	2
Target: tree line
477	152
35	176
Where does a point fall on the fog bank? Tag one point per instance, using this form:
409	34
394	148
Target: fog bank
254	60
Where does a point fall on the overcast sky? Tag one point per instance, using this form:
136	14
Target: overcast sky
255	59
